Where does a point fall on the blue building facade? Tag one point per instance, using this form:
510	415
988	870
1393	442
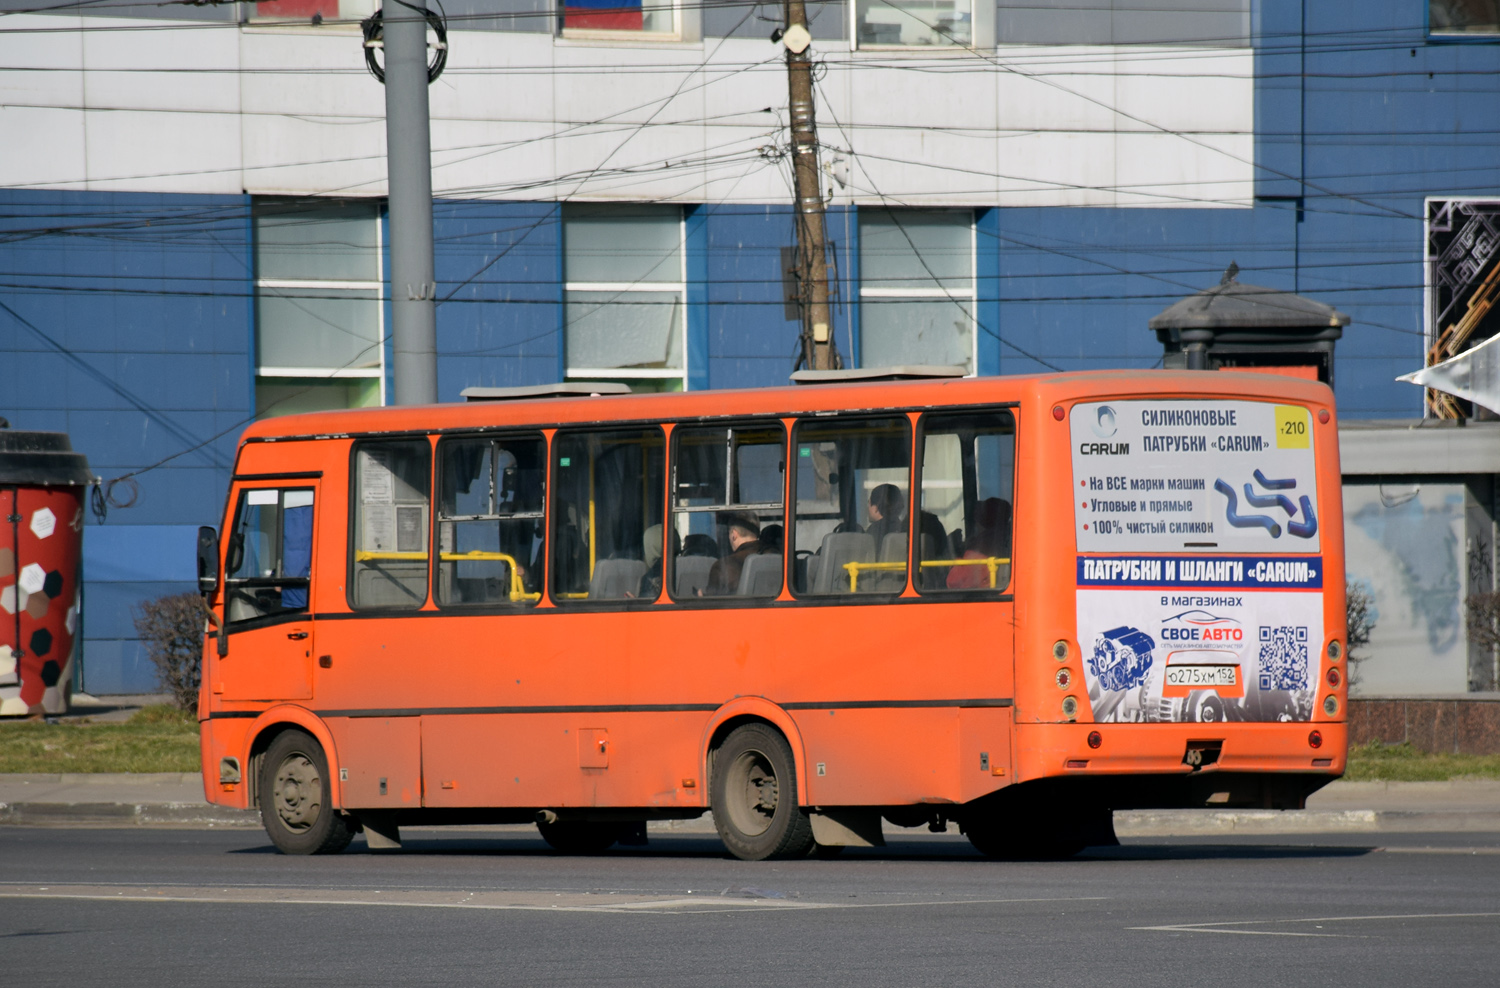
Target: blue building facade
128	319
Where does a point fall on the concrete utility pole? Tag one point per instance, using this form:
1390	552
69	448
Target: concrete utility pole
818	351
409	179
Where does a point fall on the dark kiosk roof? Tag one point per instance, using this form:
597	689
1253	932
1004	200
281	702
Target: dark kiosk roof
1231	304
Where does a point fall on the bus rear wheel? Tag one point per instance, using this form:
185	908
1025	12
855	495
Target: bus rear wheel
579	837
1011	840
296	804
754	796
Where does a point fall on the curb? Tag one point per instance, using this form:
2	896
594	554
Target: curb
199	816
1132	823
1197	823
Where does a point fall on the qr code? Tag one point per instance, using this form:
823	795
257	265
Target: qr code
1283	657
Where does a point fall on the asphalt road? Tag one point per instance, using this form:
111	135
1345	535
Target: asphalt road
177	907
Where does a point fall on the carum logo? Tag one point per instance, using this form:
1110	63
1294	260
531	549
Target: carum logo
1201	626
1104	422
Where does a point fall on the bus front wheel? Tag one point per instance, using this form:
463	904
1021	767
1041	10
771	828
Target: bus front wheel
296	804
754	796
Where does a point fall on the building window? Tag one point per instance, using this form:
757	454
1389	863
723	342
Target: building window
610	18
1463	17
916	295
625	295
906	23
314	11
318	310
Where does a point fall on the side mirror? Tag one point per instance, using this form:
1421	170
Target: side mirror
208	560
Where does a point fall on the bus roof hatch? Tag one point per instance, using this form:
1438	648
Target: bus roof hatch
566	389
897	372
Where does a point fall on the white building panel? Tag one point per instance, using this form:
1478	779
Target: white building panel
211	107
42	148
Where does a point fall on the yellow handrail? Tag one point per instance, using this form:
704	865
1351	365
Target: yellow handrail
992	562
517	588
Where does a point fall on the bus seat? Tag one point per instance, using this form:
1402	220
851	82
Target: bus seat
840	548
761	575
691	574
893	548
616	578
810	578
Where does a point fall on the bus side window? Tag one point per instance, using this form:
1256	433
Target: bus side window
727	513
490	522
270	553
968	479
607	506
851	491
390	490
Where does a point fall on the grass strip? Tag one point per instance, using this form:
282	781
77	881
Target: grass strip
155	739
1377	762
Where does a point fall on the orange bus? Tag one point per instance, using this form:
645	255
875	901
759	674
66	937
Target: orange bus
1011	605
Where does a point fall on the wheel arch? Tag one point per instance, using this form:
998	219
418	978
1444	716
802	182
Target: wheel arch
277	721
748	710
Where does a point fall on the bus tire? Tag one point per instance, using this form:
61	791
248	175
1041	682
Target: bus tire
996	839
296	798
579	837
754	796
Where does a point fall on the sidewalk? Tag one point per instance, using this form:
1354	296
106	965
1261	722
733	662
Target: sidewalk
176	800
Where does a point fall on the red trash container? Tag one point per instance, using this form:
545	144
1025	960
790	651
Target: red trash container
42	484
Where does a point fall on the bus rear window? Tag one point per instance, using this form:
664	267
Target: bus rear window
968	475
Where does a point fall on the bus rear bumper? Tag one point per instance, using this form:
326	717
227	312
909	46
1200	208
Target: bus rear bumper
1189	765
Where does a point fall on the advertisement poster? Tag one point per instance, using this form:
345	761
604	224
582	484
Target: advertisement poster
1173	476
1224	620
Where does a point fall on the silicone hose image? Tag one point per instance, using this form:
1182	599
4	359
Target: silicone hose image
1275	485
1307	528
1270	501
1231	512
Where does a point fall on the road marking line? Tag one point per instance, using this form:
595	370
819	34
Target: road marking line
1218	927
465	899
1440	850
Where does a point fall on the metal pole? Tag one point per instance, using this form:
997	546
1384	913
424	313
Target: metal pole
409	179
812	253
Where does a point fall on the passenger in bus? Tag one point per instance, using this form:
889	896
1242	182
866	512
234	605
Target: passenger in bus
990	539
744	542
699	544
771	538
651	543
887	512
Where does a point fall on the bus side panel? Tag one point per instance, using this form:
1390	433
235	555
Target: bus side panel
894	757
882	756
379	761
557	760
225	738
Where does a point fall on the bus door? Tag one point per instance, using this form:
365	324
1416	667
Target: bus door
267	595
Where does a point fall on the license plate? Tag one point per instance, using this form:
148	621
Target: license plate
1200	675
